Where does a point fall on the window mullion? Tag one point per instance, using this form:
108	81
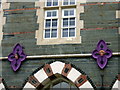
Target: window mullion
68	32
51	28
68	12
50	33
52	3
69	2
68	26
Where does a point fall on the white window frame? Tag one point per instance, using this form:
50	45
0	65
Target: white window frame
68	3
69	9
50	35
50	11
74	16
51	5
68	33
51	18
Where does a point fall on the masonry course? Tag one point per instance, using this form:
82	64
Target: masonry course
26	21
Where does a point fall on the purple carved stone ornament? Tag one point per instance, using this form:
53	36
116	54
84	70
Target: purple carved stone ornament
16	57
102	53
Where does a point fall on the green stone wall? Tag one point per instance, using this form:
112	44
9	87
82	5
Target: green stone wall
95	16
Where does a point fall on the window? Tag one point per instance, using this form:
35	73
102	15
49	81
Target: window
58	23
59	83
64	86
68	23
69	2
51	24
51	2
51	13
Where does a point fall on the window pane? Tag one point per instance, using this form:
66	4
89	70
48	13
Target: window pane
72	2
54	23
48	14
56	86
65	22
71	32
54	33
66	13
49	2
65	2
72	22
54	13
65	32
55	2
48	23
65	85
47	33
71	12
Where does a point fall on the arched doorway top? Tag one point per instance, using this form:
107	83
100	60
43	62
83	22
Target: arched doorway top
69	71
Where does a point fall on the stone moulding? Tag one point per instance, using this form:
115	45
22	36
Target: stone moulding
61	56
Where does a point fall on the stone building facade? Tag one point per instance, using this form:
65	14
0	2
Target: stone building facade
58	37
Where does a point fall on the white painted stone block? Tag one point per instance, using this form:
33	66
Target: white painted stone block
116	85
86	85
73	74
57	67
28	85
41	75
1	86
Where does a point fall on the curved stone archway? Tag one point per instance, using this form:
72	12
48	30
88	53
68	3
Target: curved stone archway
49	71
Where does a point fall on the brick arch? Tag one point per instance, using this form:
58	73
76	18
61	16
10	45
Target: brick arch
79	78
116	83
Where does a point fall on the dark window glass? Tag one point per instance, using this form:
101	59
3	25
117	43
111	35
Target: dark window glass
55	2
48	23
71	32
65	32
65	85
72	2
66	13
54	33
54	23
48	14
71	12
49	2
65	2
54	13
47	33
72	21
65	22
